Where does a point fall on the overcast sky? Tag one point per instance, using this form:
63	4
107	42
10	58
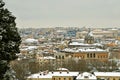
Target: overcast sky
65	13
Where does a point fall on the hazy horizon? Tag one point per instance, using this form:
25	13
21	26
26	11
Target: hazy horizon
65	13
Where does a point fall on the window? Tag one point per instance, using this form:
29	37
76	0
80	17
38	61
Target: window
113	78
62	57
53	78
56	57
83	56
98	56
87	55
69	78
59	78
94	55
104	56
59	57
64	78
91	55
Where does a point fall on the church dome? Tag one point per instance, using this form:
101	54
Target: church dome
86	76
89	38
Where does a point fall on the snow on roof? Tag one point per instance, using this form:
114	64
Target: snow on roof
49	57
39	75
90	34
32	47
62	69
30	40
97	44
84	50
60	31
83	32
77	43
91	50
82	76
86	75
96	31
77	40
29	48
83	44
114	29
101	31
107	74
65	73
51	74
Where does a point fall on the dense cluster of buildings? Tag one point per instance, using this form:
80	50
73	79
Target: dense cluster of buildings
63	43
56	45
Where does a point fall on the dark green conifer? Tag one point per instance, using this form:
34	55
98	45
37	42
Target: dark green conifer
9	41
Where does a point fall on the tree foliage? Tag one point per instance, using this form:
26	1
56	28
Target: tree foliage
9	40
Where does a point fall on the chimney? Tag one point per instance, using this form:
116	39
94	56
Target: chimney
40	73
52	72
44	73
60	72
79	73
67	72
